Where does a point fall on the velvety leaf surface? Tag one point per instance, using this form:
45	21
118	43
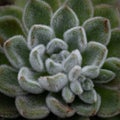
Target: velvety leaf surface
98	29
36	58
32	106
76	38
94	54
83	8
113	64
112	2
58	107
42	9
63	19
8	81
39	34
84	109
9	26
7	107
17	52
114	45
105	76
109	12
53	3
28	81
110	102
11	11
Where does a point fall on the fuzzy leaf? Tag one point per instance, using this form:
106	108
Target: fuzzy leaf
113	64
7	107
60	57
68	95
53	83
110	104
39	34
53	3
94	54
74	73
98	29
53	67
105	76
9	26
76	88
83	9
82	78
28	81
87	84
32	106
11	11
63	19
72	60
56	45
36	57
58	107
112	2
8	81
17	52
42	9
90	71
114	45
76	38
109	12
89	97
87	110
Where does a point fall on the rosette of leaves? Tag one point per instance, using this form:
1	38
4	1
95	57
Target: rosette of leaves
59	59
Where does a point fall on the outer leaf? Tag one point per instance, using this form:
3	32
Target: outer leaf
111	118
94	54
7	107
114	45
98	29
28	81
113	64
39	34
112	2
11	11
32	106
85	109
53	3
109	12
9	26
110	105
63	19
90	71
76	38
83	8
17	52
105	76
8	81
42	9
58	107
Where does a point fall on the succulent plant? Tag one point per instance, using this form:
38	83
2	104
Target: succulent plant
58	58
